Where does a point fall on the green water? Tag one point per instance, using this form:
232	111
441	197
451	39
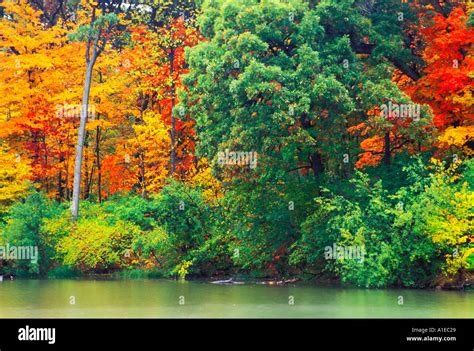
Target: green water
161	298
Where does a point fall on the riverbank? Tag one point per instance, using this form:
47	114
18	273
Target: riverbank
240	279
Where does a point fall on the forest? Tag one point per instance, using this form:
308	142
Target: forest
321	140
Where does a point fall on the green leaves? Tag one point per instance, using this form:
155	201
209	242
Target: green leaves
91	31
410	237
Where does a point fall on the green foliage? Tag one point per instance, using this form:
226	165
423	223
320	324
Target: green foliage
24	227
97	242
94	30
184	215
409	236
133	209
186	232
470	21
284	80
444	212
64	272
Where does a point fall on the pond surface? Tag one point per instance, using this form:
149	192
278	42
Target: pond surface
174	299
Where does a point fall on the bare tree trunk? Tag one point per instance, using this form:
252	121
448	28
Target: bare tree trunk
60	193
387	153
317	164
173	120
99	167
85	194
142	173
80	138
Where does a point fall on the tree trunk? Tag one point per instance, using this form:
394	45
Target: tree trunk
60	190
80	139
173	120
387	153
99	167
85	194
142	173
316	163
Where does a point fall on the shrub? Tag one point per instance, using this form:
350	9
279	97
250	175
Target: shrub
24	227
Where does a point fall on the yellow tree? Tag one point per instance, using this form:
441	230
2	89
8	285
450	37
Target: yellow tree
38	73
14	176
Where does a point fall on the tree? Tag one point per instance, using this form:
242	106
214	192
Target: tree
446	83
34	93
103	19
14	175
172	28
24	227
283	81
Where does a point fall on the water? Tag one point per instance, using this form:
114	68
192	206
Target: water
161	298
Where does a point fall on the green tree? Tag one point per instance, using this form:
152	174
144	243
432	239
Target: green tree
25	227
284	80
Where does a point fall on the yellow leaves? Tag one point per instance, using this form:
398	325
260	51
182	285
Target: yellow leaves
453	223
26	33
33	59
458	136
204	179
14	173
152	142
93	124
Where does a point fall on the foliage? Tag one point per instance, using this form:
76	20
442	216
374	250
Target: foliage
408	236
247	137
25	227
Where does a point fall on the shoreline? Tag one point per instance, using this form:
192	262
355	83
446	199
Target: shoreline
230	280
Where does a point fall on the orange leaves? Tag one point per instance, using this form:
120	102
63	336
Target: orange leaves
372	154
156	64
134	90
116	171
361	129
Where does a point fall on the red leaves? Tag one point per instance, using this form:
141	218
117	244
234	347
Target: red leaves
448	55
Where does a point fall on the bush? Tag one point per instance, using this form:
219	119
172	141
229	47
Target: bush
98	244
390	253
186	231
410	236
134	209
24	227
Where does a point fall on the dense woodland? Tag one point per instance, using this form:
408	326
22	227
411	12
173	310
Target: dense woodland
208	138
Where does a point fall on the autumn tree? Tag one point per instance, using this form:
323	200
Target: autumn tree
34	94
14	176
101	19
174	27
447	83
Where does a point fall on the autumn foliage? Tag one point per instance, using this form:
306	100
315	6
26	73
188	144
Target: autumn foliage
221	137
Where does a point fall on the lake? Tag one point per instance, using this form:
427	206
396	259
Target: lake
175	299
